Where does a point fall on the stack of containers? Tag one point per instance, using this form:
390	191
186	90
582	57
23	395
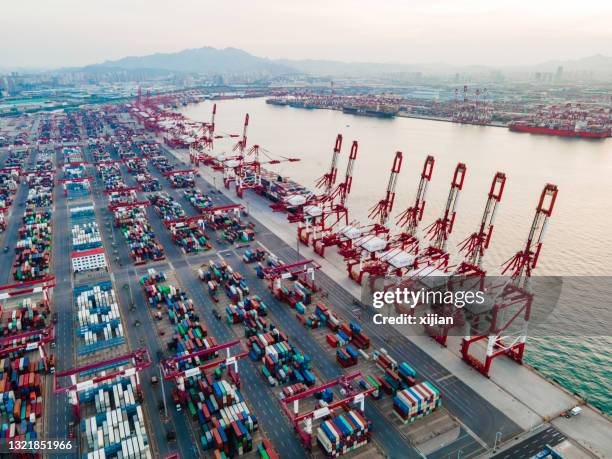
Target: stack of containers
343	433
347	357
190	334
111	176
124	196
147	149
282	362
358	337
371	381
72	154
266	450
416	402
147	182
118	427
27	316
395	377
166	207
86	236
20	397
162	164
33	250
182	180
136	166
226	425
138	234
190	237
40	188
197	199
99	319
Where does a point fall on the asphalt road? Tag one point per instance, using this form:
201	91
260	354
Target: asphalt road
532	445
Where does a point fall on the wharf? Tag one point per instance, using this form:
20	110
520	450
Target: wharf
515	401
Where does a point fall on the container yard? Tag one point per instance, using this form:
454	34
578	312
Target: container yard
233	324
99	320
26	360
33	249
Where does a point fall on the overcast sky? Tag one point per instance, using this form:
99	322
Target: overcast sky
42	33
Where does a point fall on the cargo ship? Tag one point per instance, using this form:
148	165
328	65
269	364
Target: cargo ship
578	131
379	111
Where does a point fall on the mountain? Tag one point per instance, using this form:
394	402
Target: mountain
208	60
205	60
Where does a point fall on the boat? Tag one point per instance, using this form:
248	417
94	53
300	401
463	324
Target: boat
578	131
379	111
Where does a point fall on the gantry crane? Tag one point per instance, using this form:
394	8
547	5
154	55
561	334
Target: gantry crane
361	252
295	205
318	226
470	274
474	246
320	218
356	397
439	230
125	366
512	300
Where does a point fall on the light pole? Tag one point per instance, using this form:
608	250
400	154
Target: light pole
161	381
498	435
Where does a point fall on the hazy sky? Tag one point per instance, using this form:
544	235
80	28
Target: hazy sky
42	33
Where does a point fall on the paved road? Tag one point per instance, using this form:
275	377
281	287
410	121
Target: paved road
532	445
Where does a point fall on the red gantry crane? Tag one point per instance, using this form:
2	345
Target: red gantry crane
470	275
362	248
403	248
439	230
512	300
320	228
319	219
126	366
303	422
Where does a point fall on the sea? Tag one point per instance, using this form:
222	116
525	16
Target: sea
578	240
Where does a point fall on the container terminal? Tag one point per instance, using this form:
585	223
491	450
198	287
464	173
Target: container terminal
148	312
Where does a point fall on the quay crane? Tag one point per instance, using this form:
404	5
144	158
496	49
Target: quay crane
363	244
204	141
320	220
403	248
297	205
439	231
513	298
470	275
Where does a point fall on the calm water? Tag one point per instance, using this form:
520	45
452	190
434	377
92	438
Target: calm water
578	241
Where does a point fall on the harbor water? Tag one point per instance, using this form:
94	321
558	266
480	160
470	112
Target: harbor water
578	240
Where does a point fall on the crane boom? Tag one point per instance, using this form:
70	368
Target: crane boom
328	180
384	207
343	189
411	217
440	230
474	246
525	260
